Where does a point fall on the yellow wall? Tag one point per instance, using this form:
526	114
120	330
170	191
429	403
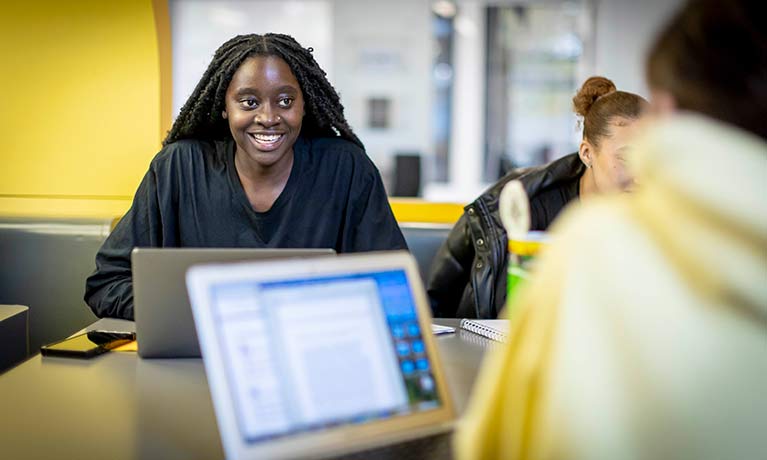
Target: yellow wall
415	210
80	112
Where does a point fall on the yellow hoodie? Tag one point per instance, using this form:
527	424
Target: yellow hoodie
643	334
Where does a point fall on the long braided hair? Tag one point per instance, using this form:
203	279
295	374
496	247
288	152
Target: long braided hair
200	117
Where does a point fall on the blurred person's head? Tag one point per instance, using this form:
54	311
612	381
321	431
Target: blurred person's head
609	120
711	58
265	68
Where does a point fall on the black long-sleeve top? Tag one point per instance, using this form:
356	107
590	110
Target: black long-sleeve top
192	197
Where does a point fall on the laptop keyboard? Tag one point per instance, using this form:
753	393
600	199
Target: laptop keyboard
431	447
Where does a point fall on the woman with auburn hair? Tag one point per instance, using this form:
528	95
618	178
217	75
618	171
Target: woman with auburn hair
643	331
468	274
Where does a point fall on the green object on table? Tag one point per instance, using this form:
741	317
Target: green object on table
522	255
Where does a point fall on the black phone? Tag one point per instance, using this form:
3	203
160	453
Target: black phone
88	344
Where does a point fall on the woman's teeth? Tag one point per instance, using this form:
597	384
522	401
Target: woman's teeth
267	138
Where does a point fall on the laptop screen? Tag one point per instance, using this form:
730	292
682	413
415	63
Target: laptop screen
310	353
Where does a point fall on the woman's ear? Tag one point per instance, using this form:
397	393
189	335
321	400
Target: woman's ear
586	152
224	115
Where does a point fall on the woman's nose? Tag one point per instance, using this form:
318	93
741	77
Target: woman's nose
267	117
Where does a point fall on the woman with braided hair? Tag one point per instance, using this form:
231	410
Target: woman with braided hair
260	155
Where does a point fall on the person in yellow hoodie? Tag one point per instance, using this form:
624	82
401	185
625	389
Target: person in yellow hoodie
643	333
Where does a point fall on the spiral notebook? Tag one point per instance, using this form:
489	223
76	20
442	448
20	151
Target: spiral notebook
495	329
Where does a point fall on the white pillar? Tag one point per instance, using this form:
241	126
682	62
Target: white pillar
468	114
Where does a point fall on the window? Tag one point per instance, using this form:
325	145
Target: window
533	53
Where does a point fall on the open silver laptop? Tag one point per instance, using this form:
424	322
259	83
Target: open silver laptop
164	325
319	358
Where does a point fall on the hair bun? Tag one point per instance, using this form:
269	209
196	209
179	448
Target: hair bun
592	89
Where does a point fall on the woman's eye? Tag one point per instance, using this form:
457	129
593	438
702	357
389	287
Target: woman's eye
285	102
249	103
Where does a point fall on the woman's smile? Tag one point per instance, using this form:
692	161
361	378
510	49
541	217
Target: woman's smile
266	142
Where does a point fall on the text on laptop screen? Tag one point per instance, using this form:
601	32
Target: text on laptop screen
310	353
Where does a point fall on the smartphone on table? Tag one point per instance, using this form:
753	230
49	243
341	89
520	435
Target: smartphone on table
88	344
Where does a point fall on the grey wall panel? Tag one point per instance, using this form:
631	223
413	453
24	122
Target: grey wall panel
14	335
424	240
43	264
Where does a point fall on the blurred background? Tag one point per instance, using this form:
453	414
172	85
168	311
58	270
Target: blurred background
446	95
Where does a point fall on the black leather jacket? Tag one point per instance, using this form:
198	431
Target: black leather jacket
468	275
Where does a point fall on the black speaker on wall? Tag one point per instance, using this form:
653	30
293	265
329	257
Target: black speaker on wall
407	175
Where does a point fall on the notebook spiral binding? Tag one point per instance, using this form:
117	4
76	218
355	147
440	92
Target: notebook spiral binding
483	330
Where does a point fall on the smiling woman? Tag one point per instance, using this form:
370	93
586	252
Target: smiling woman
260	155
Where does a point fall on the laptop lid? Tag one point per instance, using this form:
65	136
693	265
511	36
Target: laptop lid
164	324
318	358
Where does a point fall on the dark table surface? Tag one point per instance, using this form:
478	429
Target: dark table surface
119	406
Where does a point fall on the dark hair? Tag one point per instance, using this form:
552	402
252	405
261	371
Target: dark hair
712	58
598	102
200	117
